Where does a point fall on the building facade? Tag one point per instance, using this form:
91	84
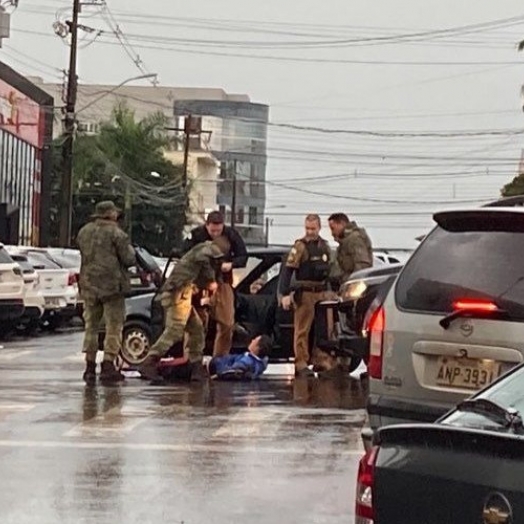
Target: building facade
237	137
26	128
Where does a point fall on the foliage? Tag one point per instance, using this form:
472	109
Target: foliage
515	187
125	163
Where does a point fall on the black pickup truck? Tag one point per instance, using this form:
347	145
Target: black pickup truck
468	467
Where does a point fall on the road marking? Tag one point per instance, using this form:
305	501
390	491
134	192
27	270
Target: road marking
80	357
13	354
7	409
176	448
113	423
250	423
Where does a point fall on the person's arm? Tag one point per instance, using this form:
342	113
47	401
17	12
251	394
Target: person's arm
284	287
125	251
293	262
346	259
191	241
238	249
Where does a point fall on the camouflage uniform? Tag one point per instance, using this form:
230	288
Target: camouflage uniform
354	252
195	271
106	256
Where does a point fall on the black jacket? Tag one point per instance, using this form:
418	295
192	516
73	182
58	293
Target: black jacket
237	254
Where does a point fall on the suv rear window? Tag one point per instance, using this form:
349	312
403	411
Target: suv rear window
5	258
485	263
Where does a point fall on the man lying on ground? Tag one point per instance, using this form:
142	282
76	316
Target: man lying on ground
247	366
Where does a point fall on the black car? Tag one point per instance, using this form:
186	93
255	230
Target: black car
257	311
466	467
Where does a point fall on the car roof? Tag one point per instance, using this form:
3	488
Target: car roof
262	251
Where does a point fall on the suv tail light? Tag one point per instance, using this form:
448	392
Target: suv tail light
72	280
364	510
377	323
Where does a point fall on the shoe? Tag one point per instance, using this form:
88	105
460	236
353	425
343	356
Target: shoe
198	372
149	368
90	373
109	374
304	373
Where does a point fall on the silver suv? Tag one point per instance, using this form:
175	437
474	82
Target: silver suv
453	321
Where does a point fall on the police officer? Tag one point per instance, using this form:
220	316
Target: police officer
354	251
197	270
309	261
223	303
106	255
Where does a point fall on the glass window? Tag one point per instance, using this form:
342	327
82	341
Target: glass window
4	256
479	259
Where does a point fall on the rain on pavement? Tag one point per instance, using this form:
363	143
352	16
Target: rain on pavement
261	452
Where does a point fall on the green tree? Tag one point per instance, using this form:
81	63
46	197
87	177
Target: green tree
125	163
515	187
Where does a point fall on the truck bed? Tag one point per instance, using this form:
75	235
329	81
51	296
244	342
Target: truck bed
435	474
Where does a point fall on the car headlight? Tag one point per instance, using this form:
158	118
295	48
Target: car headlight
353	290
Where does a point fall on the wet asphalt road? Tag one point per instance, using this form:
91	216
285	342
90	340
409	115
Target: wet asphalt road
277	450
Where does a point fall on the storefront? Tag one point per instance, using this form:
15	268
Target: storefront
26	129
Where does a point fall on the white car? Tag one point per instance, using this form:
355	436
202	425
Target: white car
59	286
11	292
34	300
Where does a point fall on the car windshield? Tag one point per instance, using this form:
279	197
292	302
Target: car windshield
66	261
24	264
455	265
41	260
508	393
5	258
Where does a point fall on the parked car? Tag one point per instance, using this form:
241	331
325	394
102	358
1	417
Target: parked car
11	292
453	321
34	301
341	325
59	286
467	467
257	311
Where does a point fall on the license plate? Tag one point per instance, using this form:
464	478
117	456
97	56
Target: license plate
466	372
136	282
52	302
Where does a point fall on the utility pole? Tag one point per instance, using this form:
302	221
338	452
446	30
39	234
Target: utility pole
234	200
69	131
128	210
267	231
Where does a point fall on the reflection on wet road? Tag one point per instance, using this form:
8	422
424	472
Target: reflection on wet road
263	452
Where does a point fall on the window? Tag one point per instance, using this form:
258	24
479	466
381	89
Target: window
253	215
4	257
472	261
240	216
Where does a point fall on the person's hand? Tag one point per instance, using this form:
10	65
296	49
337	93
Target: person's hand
205	301
227	267
213	286
286	303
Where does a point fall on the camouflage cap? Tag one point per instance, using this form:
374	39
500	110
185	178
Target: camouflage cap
105	209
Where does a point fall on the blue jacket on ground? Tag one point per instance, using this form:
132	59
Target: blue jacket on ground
250	364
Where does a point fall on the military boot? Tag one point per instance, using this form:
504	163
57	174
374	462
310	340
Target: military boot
198	372
109	374
149	368
90	373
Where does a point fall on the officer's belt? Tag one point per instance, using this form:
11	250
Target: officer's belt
311	288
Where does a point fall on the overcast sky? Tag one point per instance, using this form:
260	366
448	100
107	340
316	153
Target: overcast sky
339	65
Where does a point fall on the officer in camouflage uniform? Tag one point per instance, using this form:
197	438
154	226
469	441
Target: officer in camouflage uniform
309	261
106	255
354	251
197	270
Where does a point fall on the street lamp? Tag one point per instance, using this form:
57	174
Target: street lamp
115	88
